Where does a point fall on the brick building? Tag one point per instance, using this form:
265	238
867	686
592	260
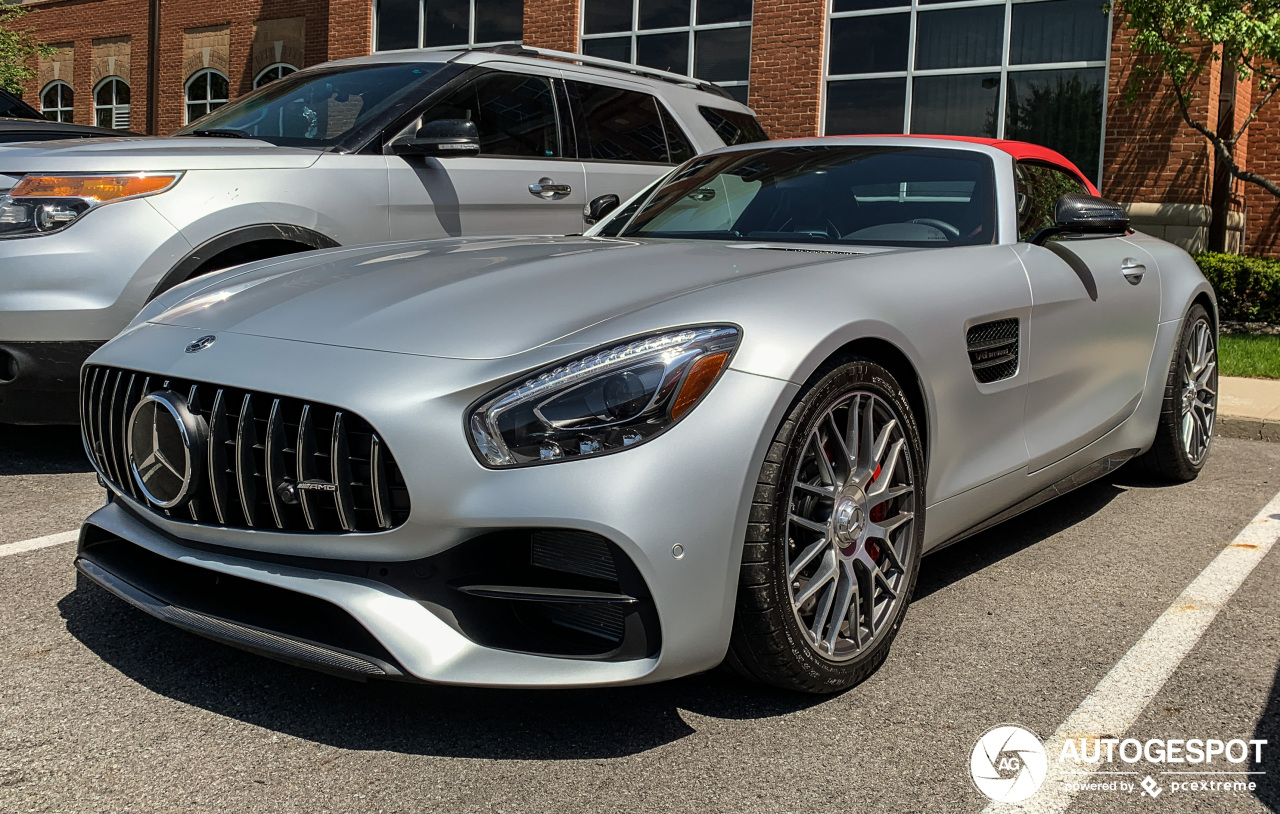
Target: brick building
1051	71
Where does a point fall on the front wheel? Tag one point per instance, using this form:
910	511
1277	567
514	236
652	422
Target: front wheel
833	547
1185	432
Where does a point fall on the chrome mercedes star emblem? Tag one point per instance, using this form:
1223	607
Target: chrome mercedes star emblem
201	343
165	442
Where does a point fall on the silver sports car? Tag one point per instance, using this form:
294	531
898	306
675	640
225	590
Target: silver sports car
722	427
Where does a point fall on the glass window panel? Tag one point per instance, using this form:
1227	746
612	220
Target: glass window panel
866	106
1058	31
515	114
198	90
1059	109
963	105
122	92
862	5
602	16
738	92
447	22
666	52
50	97
397	25
102	117
959	38
723	11
869	44
218	86
1039	188
679	148
618	48
722	54
499	20
621	125
103	96
664	13
733	127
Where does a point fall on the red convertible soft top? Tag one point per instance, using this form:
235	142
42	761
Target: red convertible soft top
1020	150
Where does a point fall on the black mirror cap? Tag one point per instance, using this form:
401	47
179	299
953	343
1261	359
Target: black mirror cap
599	207
442	138
1077	214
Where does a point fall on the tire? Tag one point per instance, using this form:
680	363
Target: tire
777	638
1184	434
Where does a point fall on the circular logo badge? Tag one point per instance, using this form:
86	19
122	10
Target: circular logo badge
165	442
201	343
1008	763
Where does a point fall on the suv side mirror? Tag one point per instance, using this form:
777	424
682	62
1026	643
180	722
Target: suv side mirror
1084	215
441	138
599	207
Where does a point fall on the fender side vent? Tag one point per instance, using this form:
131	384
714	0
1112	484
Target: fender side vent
993	350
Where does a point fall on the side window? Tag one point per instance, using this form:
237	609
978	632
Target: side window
1039	187
619	125
679	148
516	114
733	127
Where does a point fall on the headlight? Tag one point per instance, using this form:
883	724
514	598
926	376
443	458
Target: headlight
605	401
41	204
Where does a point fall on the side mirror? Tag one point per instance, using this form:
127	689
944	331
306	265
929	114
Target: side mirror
442	138
1084	215
599	207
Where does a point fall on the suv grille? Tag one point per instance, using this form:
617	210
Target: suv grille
258	448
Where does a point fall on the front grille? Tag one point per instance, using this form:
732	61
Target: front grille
259	448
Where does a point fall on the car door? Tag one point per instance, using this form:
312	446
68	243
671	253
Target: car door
1095	305
626	137
524	181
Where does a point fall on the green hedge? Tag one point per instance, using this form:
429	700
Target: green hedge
1248	287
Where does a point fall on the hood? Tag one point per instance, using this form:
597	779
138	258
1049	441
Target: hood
143	154
478	298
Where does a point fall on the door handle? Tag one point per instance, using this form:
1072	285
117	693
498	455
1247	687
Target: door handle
1132	270
550	190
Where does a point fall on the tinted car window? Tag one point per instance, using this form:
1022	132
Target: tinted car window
320	108
679	148
11	107
515	113
620	125
838	194
1039	187
733	127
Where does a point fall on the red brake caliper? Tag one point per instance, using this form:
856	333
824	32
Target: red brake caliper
877	514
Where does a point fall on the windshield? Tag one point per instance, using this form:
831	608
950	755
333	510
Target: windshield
893	196
319	109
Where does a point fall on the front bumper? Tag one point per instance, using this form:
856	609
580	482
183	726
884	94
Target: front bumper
692	486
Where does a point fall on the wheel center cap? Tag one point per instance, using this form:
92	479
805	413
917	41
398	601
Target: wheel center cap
848	519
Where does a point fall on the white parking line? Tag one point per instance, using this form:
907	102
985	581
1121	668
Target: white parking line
39	542
1124	692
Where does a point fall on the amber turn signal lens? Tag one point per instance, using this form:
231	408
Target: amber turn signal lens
101	188
701	376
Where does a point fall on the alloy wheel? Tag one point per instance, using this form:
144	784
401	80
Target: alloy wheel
1199	391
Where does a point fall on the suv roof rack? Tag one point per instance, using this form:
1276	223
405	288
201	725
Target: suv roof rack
516	50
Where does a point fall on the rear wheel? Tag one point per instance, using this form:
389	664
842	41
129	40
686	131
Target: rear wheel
1185	432
833	549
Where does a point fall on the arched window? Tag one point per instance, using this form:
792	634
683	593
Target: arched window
207	91
57	101
273	72
111	104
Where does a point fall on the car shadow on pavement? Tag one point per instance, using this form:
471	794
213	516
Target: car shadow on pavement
402	717
41	451
1268	729
967	557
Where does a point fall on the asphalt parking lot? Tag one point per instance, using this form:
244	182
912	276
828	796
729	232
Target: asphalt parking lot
104	709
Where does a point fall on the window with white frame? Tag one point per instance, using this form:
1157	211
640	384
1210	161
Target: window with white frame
111	104
271	73
401	24
709	39
57	102
1029	70
207	91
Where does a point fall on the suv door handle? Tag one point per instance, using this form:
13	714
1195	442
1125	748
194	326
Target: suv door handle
550	190
1133	270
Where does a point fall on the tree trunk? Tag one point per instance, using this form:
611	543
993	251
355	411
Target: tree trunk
1220	199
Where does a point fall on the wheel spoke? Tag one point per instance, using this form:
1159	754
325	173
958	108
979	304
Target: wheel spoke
825	573
837	439
821	491
805	558
811	525
823	463
843	599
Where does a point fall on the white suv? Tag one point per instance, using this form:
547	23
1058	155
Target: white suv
413	144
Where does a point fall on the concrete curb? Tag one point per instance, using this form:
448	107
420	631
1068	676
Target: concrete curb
1250	429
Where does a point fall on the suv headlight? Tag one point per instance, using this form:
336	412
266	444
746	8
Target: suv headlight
604	401
42	204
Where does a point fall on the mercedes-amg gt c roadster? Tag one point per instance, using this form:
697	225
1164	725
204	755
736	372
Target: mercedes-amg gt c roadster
722	427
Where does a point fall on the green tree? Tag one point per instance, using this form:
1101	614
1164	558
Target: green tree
1245	37
17	46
